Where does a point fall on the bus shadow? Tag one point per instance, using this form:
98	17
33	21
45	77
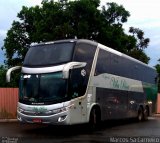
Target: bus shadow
115	123
55	131
52	131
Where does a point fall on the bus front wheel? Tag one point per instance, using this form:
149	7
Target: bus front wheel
95	118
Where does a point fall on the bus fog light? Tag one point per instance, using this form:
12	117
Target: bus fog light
62	118
20	110
19	118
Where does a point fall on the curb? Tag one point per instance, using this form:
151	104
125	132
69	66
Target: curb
8	120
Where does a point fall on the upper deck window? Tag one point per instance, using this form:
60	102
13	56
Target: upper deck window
49	54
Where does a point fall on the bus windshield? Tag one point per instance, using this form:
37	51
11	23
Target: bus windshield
43	88
49	54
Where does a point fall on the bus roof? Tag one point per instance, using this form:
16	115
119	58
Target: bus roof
99	45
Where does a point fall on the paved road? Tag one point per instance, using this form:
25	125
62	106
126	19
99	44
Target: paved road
111	131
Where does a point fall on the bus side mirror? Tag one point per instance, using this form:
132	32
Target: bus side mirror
8	74
72	65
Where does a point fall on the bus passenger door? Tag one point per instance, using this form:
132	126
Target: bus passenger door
77	90
76	111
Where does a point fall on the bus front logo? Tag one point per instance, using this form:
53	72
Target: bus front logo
83	72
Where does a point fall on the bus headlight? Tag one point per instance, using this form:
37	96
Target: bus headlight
150	102
56	111
63	109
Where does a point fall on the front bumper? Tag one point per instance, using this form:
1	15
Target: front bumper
56	114
56	119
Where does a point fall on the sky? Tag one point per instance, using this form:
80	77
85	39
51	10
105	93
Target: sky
8	12
145	15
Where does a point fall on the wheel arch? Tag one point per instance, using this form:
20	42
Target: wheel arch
143	106
94	105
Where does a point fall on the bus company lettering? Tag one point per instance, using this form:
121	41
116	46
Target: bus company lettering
39	110
119	83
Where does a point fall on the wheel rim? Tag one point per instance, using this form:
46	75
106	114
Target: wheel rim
140	115
146	114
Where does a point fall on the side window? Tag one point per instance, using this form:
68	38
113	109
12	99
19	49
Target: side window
103	62
76	84
84	52
127	68
122	66
115	65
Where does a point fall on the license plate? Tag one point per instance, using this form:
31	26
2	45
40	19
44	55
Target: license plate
37	120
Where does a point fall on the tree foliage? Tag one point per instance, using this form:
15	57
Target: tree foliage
73	19
2	76
158	71
141	43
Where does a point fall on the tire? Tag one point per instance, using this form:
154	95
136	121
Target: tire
145	114
95	118
140	115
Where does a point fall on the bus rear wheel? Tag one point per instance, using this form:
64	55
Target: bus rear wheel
140	115
146	114
95	118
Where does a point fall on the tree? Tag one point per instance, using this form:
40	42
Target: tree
141	43
16	44
115	14
158	71
2	76
70	19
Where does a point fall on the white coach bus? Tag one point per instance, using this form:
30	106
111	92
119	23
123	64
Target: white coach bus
80	81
